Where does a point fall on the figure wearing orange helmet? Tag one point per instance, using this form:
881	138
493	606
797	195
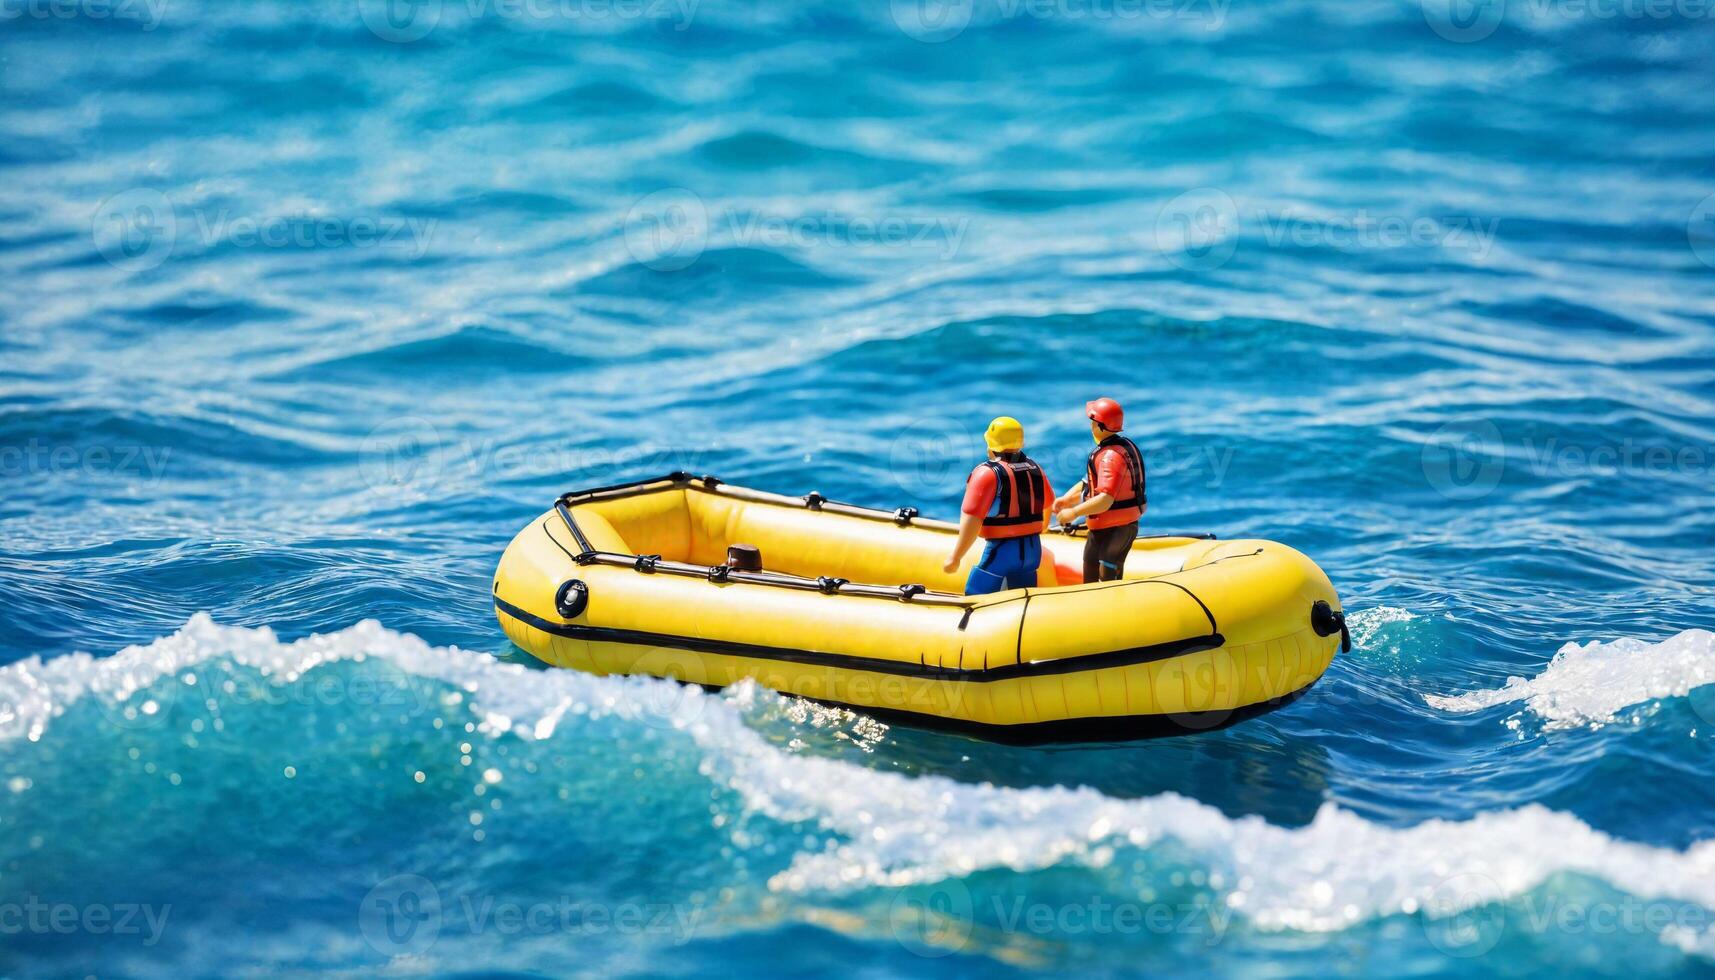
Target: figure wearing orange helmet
1111	494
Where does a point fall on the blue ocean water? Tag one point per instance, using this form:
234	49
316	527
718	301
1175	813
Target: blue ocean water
310	305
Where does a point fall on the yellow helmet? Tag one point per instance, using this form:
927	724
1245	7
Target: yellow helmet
1004	435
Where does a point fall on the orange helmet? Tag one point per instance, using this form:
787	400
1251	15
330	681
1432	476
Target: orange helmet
1106	411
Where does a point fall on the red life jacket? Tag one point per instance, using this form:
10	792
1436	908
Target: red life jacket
1019	487
1134	466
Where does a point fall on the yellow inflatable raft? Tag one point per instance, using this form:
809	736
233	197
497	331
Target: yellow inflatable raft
851	607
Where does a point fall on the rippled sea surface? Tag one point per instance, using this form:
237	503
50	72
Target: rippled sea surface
309	306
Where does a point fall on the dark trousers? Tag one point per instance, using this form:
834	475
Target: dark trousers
1105	551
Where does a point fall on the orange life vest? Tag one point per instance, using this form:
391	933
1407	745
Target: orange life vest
1019	487
1134	468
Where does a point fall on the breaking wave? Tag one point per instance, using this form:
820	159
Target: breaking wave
894	830
1591	684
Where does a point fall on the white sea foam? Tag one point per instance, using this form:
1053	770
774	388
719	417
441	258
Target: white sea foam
896	830
1366	623
1591	684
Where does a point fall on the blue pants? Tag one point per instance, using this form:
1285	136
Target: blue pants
1007	563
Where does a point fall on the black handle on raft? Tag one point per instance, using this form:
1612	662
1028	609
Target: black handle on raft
1326	622
829	585
904	515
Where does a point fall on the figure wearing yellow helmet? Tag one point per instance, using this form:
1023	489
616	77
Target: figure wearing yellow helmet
1006	504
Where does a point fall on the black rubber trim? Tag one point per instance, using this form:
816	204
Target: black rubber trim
557	543
1191	535
1110	729
1041	668
1213	626
1217	561
1018	654
1125	583
1123	728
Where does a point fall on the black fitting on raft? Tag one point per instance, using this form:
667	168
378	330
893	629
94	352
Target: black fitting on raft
907	591
1326	622
679	476
711	481
586	557
571	599
829	586
719	573
647	563
814	500
903	515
